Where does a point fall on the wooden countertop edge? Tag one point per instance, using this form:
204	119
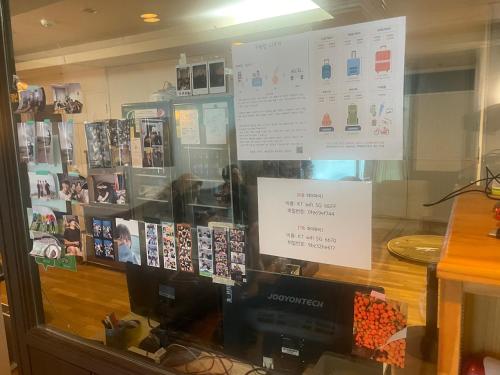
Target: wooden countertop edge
460	272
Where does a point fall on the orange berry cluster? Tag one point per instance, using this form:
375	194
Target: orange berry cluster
375	321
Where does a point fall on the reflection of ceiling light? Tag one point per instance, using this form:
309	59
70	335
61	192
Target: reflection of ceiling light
149	15
253	10
89	10
151	20
46	23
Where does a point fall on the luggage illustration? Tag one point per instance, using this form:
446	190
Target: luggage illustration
382	60
352	118
256	79
353	65
326	69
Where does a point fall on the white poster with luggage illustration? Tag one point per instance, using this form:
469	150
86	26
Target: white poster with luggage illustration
352	95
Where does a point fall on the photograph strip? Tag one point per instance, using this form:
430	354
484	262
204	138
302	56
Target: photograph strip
102	230
152	251
205	252
26	139
184	246
66	141
237	245
152	143
44	149
119	140
221	249
168	239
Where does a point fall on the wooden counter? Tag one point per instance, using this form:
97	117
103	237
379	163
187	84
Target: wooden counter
470	264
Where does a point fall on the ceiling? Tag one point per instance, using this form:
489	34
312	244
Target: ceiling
439	33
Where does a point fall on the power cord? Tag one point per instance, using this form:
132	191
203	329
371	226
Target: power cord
490	177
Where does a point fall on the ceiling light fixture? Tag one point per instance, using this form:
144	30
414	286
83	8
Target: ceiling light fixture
46	23
253	10
89	10
146	16
151	20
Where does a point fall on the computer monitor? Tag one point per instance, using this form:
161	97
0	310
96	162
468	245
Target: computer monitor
289	320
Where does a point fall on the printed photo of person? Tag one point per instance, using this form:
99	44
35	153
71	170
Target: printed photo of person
126	236
110	188
44	142
26	139
152	142
71	236
66	141
67	98
43	187
98	149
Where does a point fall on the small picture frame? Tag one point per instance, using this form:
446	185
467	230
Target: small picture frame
217	76
200	78
184	80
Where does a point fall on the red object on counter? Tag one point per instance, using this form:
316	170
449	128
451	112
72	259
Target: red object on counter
473	366
497	211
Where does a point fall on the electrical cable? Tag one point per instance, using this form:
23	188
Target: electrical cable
490	177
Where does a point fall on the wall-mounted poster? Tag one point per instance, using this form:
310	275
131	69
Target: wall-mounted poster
183	80
215	120
152	143
327	94
119	141
68	98
188	125
126	235
168	241
98	151
318	221
152	248
110	188
217	76
66	141
26	139
200	78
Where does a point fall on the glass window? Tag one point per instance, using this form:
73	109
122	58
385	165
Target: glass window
222	184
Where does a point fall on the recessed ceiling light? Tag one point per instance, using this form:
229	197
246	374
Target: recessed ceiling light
46	23
151	20
149	15
89	10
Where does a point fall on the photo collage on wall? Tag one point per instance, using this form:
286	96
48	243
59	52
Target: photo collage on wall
205	251
237	246
102	230
126	236
152	136
221	248
99	154
119	139
152	250
168	240
184	246
110	188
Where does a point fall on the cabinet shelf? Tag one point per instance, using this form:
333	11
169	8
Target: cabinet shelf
152	200
209	206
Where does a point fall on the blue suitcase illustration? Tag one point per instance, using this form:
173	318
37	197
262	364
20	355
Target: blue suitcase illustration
353	65
326	69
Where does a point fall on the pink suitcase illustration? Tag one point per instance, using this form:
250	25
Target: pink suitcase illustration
383	60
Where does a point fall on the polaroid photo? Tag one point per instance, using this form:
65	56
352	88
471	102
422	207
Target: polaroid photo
119	140
26	139
238	258
110	188
96	227
217	76
237	271
66	140
44	147
68	98
168	242
152	143
200	78
152	250
109	251
73	188
126	236
183	80
98	149
72	236
184	247
31	100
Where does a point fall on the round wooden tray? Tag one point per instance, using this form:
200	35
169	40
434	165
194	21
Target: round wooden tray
418	248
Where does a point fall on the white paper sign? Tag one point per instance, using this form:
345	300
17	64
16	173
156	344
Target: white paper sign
319	221
189	126
350	105
215	121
